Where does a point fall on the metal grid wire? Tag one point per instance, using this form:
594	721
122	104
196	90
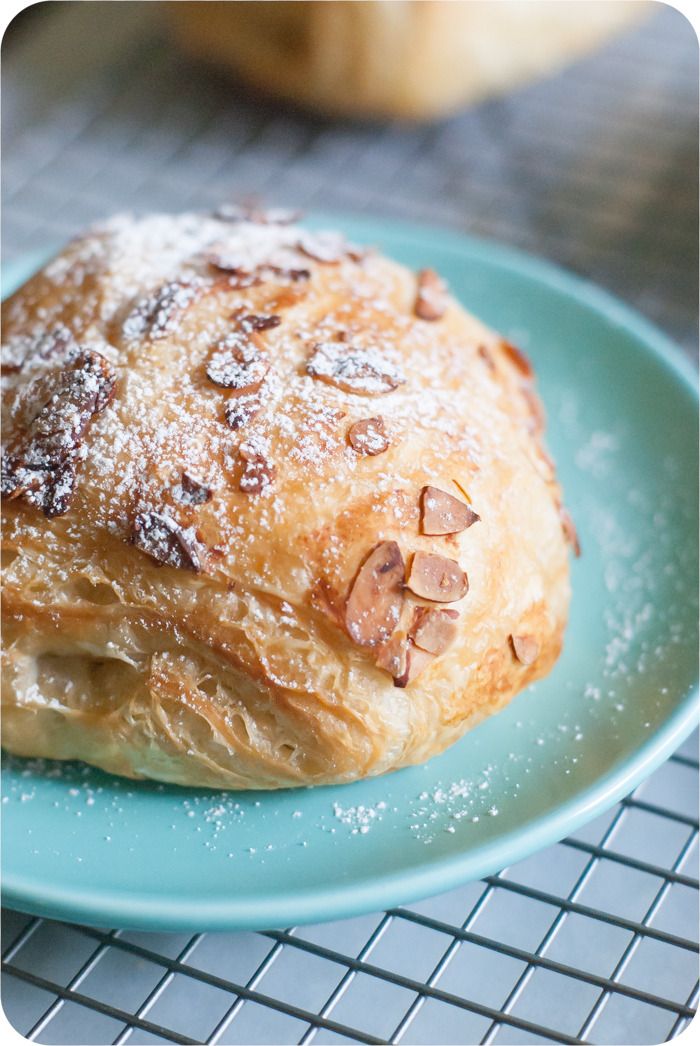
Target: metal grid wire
593	939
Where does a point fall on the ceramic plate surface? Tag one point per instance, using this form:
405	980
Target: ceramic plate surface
622	410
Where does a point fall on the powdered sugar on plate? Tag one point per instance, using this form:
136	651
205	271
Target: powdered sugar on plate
632	583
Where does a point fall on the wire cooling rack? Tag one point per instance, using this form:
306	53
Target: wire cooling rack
592	940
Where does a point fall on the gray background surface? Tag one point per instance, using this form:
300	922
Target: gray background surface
594	168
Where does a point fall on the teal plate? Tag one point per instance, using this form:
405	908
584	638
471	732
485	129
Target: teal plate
622	406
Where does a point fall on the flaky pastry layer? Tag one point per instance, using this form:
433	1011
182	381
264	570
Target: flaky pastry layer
210	424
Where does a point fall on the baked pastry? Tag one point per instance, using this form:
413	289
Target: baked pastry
276	510
415	59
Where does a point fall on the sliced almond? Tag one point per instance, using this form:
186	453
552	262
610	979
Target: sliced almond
328	248
569	528
392	656
431	296
241	409
416	662
544	463
369	436
402	659
433	630
487	356
287	273
517	357
158	316
252	322
376	597
258	472
164	540
525	648
237	364
364	371
192	491
58	342
441	513
41	461
239	271
437	578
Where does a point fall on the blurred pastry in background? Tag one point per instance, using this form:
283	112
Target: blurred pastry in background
411	59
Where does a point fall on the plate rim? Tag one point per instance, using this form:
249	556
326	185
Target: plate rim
442	873
176	913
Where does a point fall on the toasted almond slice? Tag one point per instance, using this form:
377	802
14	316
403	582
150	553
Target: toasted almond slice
525	648
544	463
369	436
158	316
285	273
242	273
328	248
437	578
517	357
402	659
237	364
241	409
41	460
441	513
487	356
258	472
431	296
55	343
392	655
376	596
237	265
433	630
252	322
417	661
192	491
352	368
164	540
569	528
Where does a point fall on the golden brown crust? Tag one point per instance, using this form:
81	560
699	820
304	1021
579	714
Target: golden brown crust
186	615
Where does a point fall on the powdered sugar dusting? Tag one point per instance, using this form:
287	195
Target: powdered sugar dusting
637	575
